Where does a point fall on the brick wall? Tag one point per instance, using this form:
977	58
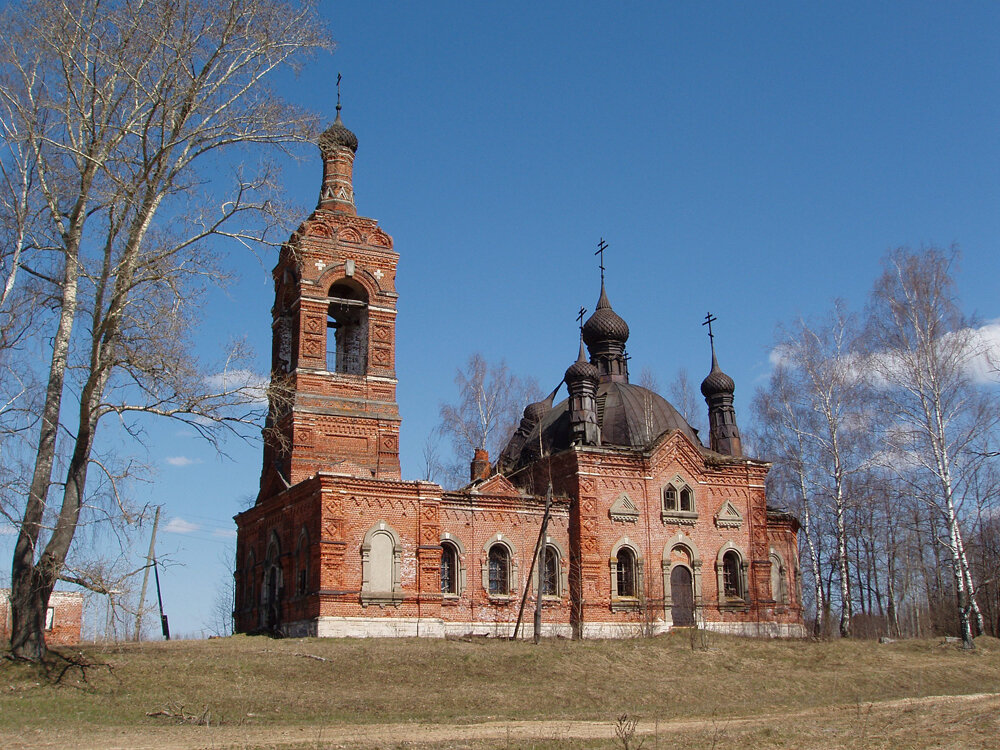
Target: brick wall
63	623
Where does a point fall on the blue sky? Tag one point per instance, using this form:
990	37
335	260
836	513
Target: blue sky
754	160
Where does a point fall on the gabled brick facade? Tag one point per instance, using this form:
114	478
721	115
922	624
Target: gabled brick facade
648	529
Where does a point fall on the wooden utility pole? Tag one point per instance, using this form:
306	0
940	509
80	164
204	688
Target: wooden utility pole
145	575
531	570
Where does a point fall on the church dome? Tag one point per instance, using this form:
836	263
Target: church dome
605	324
717	382
338	136
581	369
629	416
537	410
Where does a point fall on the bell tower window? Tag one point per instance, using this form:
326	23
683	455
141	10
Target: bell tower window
347	329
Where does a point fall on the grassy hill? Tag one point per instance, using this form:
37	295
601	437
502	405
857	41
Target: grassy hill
710	691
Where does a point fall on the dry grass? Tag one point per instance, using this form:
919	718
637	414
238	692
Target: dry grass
828	694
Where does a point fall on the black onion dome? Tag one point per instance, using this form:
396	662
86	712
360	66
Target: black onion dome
717	381
582	369
605	324
338	136
537	410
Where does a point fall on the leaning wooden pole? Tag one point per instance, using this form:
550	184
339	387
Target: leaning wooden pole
534	559
145	576
540	550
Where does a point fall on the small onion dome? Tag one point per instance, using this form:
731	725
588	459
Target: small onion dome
605	324
717	381
534	412
338	136
582	369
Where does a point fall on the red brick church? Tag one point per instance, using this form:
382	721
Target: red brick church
647	528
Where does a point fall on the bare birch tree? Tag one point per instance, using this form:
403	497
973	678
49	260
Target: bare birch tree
778	409
686	400
122	113
937	419
819	402
491	400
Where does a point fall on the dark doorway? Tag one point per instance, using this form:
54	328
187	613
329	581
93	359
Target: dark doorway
681	597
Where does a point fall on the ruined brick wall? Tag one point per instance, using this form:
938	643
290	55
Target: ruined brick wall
63	622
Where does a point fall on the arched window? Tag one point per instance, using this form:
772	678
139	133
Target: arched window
273	587
626	572
449	569
687	500
499	570
678	503
779	589
670	498
731	575
381	561
550	571
249	600
347	328
302	564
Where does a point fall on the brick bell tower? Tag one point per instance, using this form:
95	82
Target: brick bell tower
333	378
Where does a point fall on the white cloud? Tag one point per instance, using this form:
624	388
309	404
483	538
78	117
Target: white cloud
253	383
984	366
181	460
179	526
225	533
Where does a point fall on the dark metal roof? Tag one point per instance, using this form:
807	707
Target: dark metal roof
629	416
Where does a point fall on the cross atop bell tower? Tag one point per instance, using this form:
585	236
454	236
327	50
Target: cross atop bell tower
333	373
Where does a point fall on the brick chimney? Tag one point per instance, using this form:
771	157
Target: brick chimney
480	467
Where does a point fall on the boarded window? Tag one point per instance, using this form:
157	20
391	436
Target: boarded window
778	590
381	561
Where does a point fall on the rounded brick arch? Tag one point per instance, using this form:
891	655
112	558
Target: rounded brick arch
337	273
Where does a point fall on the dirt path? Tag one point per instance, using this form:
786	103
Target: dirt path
914	722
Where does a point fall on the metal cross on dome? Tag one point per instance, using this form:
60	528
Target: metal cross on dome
579	318
338	92
709	319
601	247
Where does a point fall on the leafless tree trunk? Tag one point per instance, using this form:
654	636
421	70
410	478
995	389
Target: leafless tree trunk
825	395
121	105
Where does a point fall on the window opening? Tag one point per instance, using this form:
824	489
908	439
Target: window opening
499	564
731	575
347	329
670	498
550	573
687	500
626	572
449	569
